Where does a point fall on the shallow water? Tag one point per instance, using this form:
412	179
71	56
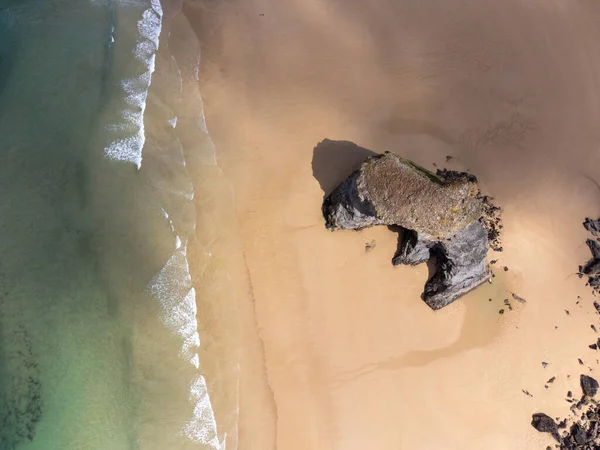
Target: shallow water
98	331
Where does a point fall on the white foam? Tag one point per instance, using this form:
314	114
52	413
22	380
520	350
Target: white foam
172	287
135	89
201	428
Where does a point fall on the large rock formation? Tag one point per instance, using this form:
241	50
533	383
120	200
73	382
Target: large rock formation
441	213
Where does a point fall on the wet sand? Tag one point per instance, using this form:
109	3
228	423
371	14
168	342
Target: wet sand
337	351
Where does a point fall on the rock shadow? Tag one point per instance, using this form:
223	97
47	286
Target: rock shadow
333	161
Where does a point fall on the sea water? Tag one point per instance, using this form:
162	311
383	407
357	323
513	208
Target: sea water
98	331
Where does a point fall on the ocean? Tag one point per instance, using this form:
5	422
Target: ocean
99	117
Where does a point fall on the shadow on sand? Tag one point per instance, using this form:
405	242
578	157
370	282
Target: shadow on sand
334	161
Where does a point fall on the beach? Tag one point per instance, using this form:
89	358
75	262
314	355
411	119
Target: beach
336	349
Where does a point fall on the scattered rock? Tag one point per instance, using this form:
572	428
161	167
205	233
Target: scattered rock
370	245
517	298
589	385
592	267
444	215
593	226
545	424
578	434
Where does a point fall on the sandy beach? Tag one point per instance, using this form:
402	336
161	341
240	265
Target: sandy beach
336	350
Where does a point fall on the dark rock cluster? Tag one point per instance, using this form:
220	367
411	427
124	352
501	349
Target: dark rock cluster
592	267
443	215
580	432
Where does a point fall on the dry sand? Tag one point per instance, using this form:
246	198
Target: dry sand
337	350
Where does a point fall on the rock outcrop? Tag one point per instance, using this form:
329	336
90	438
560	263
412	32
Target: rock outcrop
581	431
592	267
444	215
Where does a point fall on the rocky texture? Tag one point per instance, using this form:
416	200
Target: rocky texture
580	431
460	262
444	215
593	226
390	190
589	386
592	267
545	424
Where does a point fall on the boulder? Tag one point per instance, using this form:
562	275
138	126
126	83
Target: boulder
390	190
589	385
443	215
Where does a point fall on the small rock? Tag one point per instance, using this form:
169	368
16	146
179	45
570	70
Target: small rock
593	346
519	299
594	328
505	269
578	434
370	245
551	380
544	364
569	394
597	306
567	311
580	361
545	424
589	385
526	392
593	226
448	158
493	261
501	312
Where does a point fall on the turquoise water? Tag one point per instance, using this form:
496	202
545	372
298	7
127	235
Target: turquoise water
98	341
